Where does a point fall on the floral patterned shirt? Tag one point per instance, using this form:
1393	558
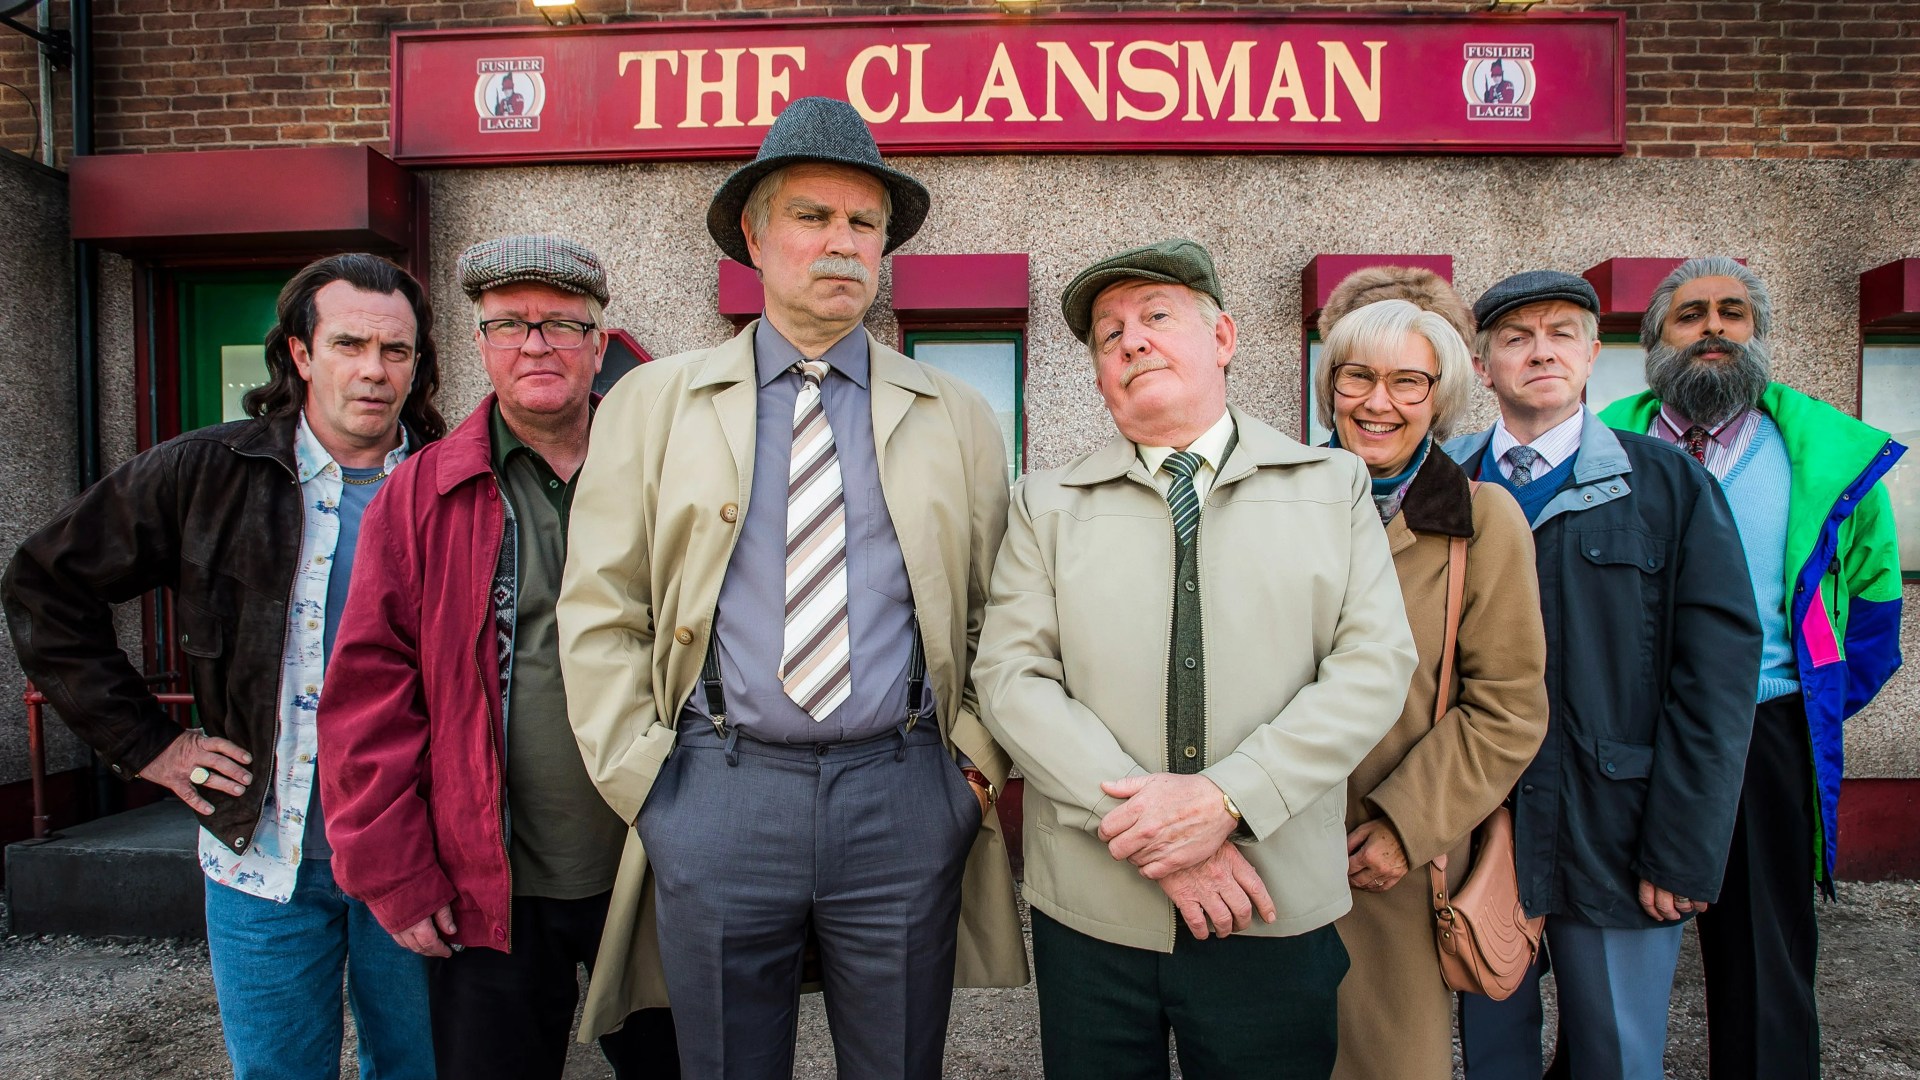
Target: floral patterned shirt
272	861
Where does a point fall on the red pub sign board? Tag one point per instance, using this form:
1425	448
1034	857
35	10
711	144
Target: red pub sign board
1547	84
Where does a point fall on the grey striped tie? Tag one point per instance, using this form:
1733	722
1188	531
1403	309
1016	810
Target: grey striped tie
1181	498
815	668
1522	458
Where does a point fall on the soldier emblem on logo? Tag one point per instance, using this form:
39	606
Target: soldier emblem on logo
510	93
1498	82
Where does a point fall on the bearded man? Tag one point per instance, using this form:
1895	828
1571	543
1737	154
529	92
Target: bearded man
1803	480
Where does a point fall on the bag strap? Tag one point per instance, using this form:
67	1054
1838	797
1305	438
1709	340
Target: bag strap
1456	595
1443	692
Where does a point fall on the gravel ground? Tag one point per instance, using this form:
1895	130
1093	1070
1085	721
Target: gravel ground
144	1010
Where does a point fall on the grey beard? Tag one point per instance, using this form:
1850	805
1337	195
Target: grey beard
1710	394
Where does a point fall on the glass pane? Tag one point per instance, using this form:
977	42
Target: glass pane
1317	435
242	368
1621	371
991	367
1890	400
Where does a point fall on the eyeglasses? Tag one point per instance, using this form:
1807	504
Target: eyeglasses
512	333
1406	386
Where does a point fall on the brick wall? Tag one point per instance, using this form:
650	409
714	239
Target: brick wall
1776	80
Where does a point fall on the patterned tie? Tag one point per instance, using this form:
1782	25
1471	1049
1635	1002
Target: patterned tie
1181	497
1696	440
1522	459
815	657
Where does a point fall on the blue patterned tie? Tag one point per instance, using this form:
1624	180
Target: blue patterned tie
1185	503
1522	458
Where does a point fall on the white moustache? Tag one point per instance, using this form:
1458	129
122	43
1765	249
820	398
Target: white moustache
1140	367
837	266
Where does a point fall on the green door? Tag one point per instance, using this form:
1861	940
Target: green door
224	319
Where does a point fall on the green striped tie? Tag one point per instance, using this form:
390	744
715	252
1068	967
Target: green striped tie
1181	497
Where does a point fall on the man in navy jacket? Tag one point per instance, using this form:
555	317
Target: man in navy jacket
1624	818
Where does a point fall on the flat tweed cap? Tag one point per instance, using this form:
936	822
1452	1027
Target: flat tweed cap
820	130
1180	262
1533	287
547	259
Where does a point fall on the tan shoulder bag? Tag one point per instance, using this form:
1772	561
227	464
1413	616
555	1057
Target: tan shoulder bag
1485	939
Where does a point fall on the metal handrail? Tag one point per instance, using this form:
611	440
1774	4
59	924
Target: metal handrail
37	744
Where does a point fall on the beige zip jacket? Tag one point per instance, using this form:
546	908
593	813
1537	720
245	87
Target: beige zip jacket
1308	657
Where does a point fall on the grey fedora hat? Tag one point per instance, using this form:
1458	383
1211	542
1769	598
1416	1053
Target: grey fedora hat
823	130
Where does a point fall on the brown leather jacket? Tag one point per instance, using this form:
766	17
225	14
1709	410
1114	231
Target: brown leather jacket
213	515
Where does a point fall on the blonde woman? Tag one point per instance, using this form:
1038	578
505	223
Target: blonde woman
1395	379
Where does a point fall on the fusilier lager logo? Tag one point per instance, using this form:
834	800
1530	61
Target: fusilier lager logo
510	93
1498	82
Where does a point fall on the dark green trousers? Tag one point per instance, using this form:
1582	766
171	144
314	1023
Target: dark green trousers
1241	1009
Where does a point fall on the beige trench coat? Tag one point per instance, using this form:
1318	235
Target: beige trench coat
658	509
1435	783
1307	658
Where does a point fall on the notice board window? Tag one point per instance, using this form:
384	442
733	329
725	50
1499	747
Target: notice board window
992	362
1620	370
1890	401
1313	432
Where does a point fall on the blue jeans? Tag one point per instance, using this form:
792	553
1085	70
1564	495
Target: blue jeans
277	970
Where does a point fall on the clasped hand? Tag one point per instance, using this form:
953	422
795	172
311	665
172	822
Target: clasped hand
1174	829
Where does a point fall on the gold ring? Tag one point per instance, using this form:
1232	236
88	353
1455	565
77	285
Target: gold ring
199	775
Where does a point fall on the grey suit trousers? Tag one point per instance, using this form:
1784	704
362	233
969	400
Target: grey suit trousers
751	844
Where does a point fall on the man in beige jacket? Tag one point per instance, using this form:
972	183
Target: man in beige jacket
778	562
1194	634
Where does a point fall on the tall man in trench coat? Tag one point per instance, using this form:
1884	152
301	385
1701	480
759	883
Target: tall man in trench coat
787	511
1195	634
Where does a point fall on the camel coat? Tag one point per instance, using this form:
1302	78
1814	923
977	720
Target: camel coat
658	508
1435	783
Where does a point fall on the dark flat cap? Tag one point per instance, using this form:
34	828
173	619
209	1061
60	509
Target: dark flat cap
825	131
1533	287
546	259
1181	262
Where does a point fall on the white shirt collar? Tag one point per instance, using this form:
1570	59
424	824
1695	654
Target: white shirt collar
1554	445
1211	446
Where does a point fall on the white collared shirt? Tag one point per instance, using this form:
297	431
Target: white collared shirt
1212	448
270	865
1726	444
1554	446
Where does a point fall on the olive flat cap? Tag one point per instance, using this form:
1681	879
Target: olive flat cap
1180	262
824	131
1533	287
539	257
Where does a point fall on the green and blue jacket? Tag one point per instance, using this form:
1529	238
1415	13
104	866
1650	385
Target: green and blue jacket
1843	574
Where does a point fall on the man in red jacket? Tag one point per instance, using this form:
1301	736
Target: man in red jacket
456	799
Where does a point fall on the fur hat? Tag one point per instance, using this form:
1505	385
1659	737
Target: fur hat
1417	285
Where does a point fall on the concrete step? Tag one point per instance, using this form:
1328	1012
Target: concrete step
134	874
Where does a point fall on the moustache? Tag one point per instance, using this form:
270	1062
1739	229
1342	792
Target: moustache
1731	351
838	266
1140	367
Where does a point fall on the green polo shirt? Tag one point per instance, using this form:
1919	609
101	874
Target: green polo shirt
565	841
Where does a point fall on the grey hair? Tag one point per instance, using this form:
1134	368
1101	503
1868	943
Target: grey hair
596	314
1208	307
1382	327
1758	298
1483	340
760	199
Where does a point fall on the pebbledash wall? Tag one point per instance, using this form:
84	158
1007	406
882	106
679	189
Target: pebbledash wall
1781	133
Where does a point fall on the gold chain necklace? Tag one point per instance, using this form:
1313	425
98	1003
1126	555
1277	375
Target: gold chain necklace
376	478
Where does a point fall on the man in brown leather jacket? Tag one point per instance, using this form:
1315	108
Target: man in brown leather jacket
253	524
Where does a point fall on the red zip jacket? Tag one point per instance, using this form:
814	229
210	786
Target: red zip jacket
409	725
